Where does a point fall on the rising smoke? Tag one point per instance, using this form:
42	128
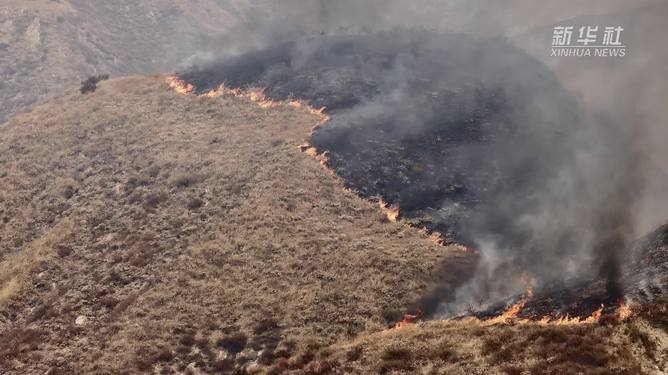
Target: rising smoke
472	137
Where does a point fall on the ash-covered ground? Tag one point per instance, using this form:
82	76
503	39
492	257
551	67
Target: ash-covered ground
424	120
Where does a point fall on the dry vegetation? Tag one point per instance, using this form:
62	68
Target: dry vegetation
49	45
180	231
637	346
142	231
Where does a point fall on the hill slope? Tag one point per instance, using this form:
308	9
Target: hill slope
142	231
46	45
138	225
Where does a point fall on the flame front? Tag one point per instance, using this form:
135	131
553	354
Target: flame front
259	97
407	320
180	86
391	210
508	315
624	311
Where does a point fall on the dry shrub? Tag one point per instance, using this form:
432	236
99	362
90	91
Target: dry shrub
153	200
396	358
109	302
655	313
321	367
184	181
302	360
396	353
492	345
68	191
9	289
442	351
123	305
394	365
165	355
145	358
512	370
354	354
234	343
549	334
141	257
63	251
18	341
187	339
391	315
643	338
224	366
90	84
194	203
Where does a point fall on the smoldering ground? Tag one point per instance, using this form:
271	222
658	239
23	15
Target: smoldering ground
471	137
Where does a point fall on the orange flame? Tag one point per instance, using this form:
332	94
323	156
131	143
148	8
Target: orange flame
508	315
624	311
178	85
408	320
567	320
391	210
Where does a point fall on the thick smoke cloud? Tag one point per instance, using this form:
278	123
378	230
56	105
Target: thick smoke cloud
471	135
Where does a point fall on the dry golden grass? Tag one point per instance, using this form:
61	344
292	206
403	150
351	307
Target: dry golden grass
636	346
156	215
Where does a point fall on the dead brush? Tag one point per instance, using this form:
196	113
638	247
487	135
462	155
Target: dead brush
90	84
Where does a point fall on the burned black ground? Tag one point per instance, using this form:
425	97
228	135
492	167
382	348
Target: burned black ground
473	139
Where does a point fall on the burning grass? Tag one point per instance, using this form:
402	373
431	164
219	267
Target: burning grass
458	347
572	344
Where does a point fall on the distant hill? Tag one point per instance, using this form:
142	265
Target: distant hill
49	45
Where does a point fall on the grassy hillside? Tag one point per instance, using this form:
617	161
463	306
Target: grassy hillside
144	231
143	228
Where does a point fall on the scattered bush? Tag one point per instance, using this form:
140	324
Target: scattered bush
396	353
90	84
392	365
63	251
513	370
643	338
234	343
444	352
68	191
153	200
321	367
109	302
224	366
165	355
187	339
195	203
17	341
354	354
391	315
184	181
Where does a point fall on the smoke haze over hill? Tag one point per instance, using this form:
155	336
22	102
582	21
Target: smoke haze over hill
547	188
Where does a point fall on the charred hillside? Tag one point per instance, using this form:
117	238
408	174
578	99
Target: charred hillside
409	123
469	138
